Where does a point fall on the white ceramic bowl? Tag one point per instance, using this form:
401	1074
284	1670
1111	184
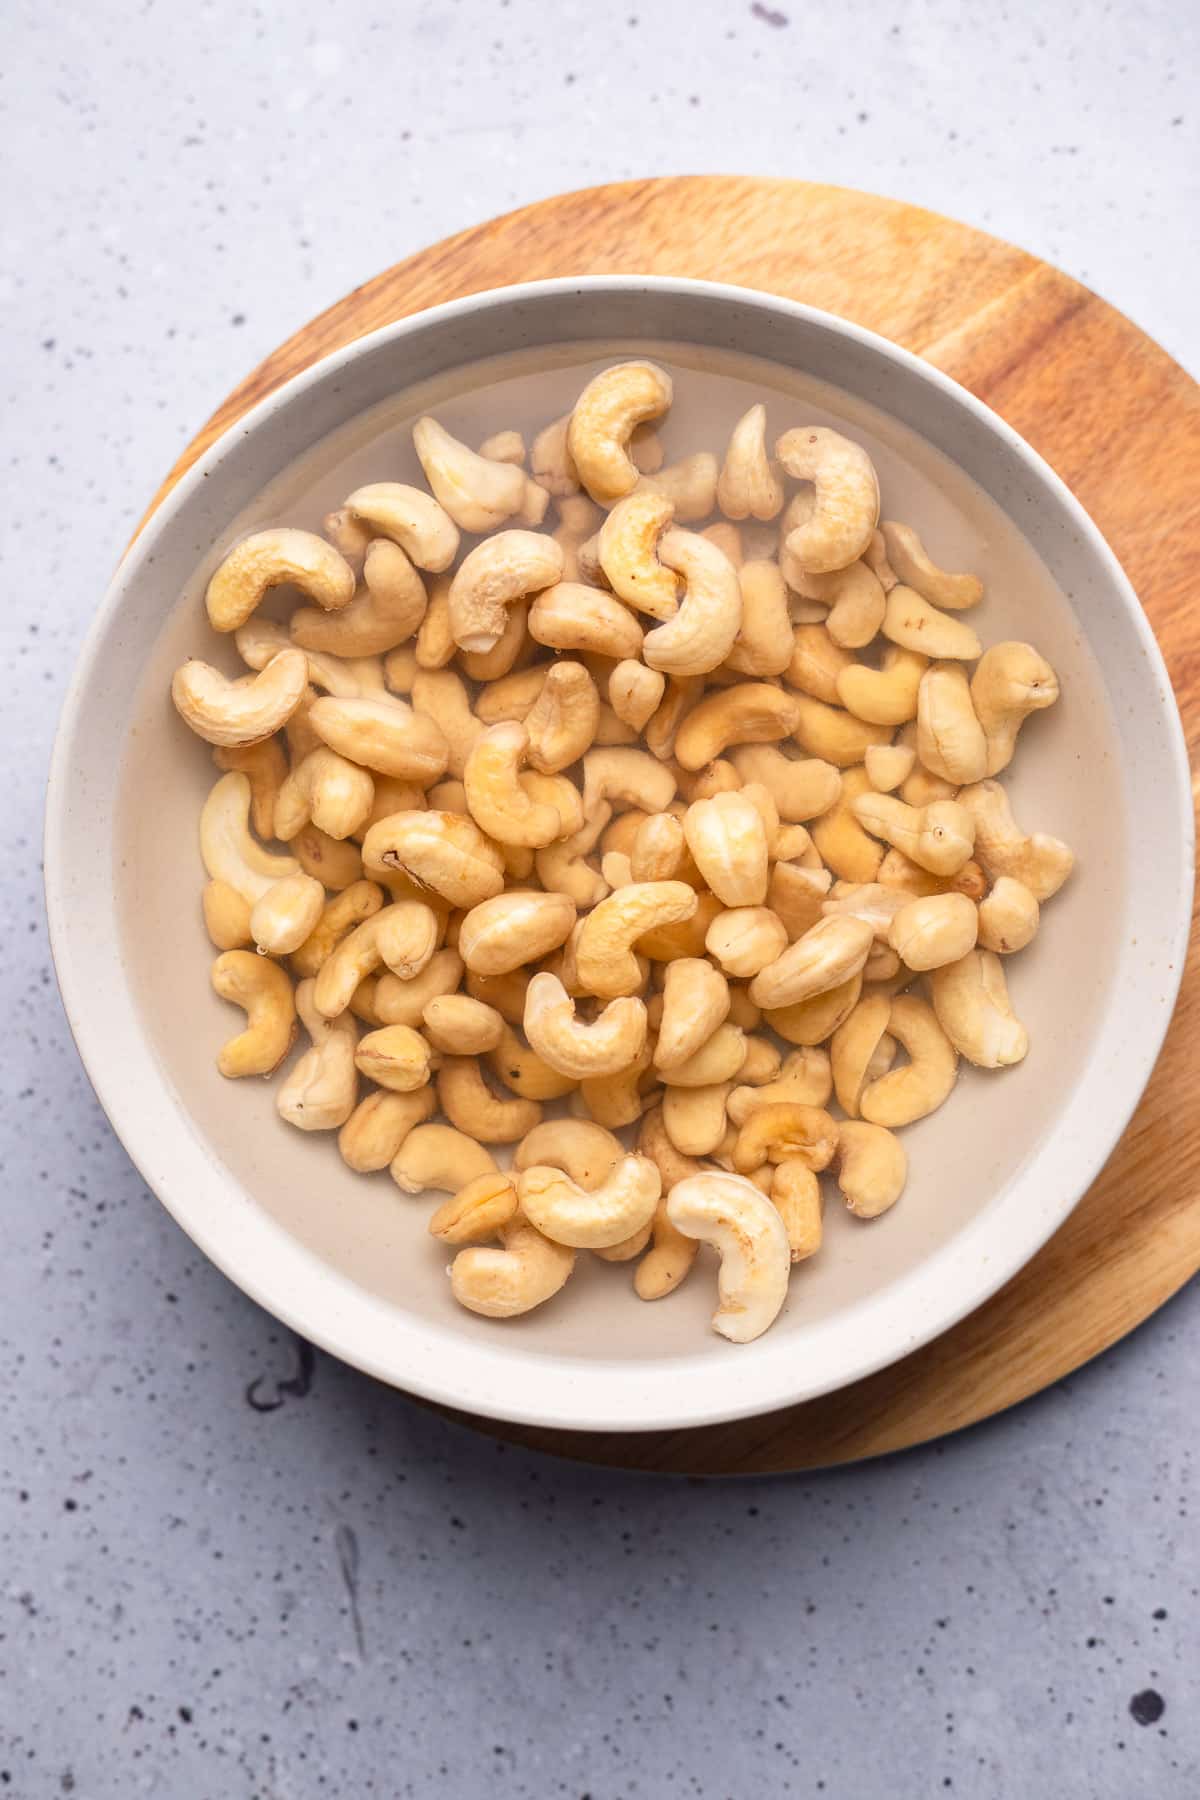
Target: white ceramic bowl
346	1260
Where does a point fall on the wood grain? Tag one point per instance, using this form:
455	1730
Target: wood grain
1120	422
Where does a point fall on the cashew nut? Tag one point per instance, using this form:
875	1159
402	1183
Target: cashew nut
841	841
1041	863
514	928
796	895
833	735
550	459
611	405
526	1272
437	1156
229	852
444	851
377	1127
939	837
462	1026
695	1002
970	998
1008	917
480	1210
702	632
694	1118
627	551
286	914
779	1131
689	485
796	1195
441	695
435	644
478	492
810	1022
562	868
805	1079
919	1086
331	861
625	778
816	663
888	695
748	1234
634	691
472	1106
871	1167
854	1050
605	959
226	916
586	1151
854	596
801	788
319	1093
748	713
745	939
265	767
620	1099
396	1057
501	570
950	738
765	643
561	723
523	1070
500	803
727	838
935	930
604	1047
846	494
869	900
887	765
720	1058
245	711
269	559
569	616
263	990
403	936
590	1218
749	486
411	518
336	795
915	625
1010	681
386	614
908	558
829	954
383	734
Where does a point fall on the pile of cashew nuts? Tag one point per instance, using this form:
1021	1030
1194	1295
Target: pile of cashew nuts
658	823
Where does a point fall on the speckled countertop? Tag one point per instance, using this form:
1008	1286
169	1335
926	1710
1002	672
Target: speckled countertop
340	1594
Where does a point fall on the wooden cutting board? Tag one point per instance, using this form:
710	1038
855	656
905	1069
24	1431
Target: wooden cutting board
1120	422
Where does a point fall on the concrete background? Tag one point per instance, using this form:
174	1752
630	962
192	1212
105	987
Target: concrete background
346	1596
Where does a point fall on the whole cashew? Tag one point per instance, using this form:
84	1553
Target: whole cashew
1041	863
441	695
245	711
480	1210
268	559
396	1057
939	837
627	551
478	492
550	459
806	1080
403	936
605	958
689	485
888	695
751	712
347	677
470	1104
500	803
386	614
440	850
829	954
435	644
887	765
1010	681
501	570
226	916
935	930
694	1118
595	1218
720	1058
586	1151
511	696
561	723
809	1022
383	734
514	928
660	851
816	662
912	565
265	767
748	1234
1008	917
846	508
568	616
604	1047
745	939
319	1093
854	596
462	1026
765	643
377	1127
779	1131
702	632
634	692
950	739
437	1156
336	795
263	990
920	1085
841	841
727	838
411	518
526	1272
833	735
749	486
871	1168
796	1195
611	405
283	917
331	861
229	852
695	1002
796	895
523	1070
617	1100
915	625
970	998
562	868
801	788
854	1048
625	778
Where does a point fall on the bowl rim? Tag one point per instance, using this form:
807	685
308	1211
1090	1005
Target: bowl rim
569	1394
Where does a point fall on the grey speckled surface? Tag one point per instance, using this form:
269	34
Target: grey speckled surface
346	1595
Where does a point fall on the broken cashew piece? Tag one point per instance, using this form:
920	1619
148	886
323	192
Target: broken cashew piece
319	1093
746	1230
264	992
749	487
970	998
846	493
591	1218
502	1283
245	711
616	400
269	559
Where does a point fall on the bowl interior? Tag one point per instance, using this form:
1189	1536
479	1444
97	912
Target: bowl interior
347	1257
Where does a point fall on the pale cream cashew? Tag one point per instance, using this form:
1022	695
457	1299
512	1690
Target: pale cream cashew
286	914
504	447
719	777
746	1230
435	645
950	738
678	699
568	616
335	794
334	862
695	1003
871	1168
505	993
915	625
765	642
472	1106
440	695
796	895
846	495
919	1086
444	851
911	563
400	669
261	988
513	929
617	1100
612	730
897	871
810	1022
591	1218
320	1091
625	778
659	850
627	551
605	958
797	1197
690	485
634	692
939	837
523	1070
403	936
1010	681
586	1151
887	765
728	539
854	596
462	1026
672	1164
385	614
385	735
265	767
501	1283
888	695
397	1057
1040	862
702	632
226	916
511	696
478	492
829	954
605	1047
720	1058
745	939
841	842
694	1118
505	568
935	930
411	518
970	998
761	1064
228	850
816	663
563	868
802	789
347	677
616	400
589	568
561	723
854	1050
1008	917
751	712
805	1079
241	712
728	841
780	1131
749	486
348	535
478	1211
512	649
919	787
500	803
270	559
360	901
834	735
377	1127
437	1156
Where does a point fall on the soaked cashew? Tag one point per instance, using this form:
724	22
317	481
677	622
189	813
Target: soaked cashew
694	1118
435	644
810	1022
478	493
563	868
728	840
503	569
764	644
690	486
805	1079
625	778
320	1092
438	1156
411	518
939	837
226	916
590	1218
568	616
1010	681
919	1086
261	988
241	712
702	632
403	937
523	1070
720	1058
816	663
336	795
950	738
620	1099
915	625
887	695
333	862
270	559
443	851
605	959
970	998
749	486
501	805
551	460
396	1057
833	735
634	692
611	1043
854	1048
515	928
871	1167
441	695
829	954
472	1106
841	841
602	423
377	1127
1041	863
660	851
751	712
286	914
745	939
887	765
796	1196
796	895
525	1272
385	614
695	1001
585	1151
911	563
462	1026
1008	917
478	1211
385	735
854	596
802	789
935	930
627	551
780	1131
561	723
265	767
746	1230
846	493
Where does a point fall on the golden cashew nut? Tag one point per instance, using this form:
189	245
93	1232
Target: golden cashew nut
472	1106
396	1057
745	1229
854	1049
620	1099
750	712
796	895
694	1118
635	692
385	614
513	929
910	562
501	1283
333	862
320	1092
888	765
703	631
569	616
809	1022
840	839
846	493
627	550
612	404
888	695
438	1156
689	485
1008	917
563	868
584	1150
503	569
561	723
695	1001
919	1086
269	559
411	518
500	802
834	735
261	988
443	851
950	738
871	1168
765	641
229	852
829	954
244	712
386	735
728	841
226	916
802	788
511	696
605	960
286	914
796	1196
347	677
590	1218
780	1131
970	998
462	1026
915	625
435	644
937	929
441	695
749	486
335	794
402	936
720	1058
625	778
816	662
806	1079
1040	862
745	939
523	1070
1010	681
377	1127
605	1047
854	595
478	1211
939	837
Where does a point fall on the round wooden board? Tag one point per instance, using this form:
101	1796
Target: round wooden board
1120	422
